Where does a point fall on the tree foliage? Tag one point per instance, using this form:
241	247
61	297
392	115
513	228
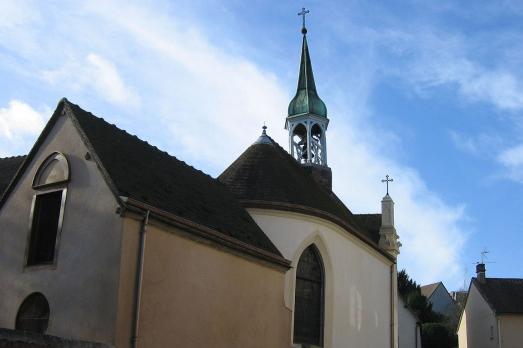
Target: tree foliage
436	330
437	335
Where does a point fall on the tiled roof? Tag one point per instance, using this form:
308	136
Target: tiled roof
505	295
427	290
8	168
371	222
143	172
265	172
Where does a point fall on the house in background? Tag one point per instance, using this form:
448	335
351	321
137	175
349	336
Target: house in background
493	313
409	327
440	298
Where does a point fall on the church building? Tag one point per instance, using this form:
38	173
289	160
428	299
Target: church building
105	240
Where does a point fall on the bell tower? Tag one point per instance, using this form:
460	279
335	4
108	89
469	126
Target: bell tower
307	120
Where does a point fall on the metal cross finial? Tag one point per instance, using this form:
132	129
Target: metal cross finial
303	13
264	128
387	180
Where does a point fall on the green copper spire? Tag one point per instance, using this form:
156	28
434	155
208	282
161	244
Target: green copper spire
306	99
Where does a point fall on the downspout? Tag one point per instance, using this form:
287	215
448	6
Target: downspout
499	331
417	330
139	279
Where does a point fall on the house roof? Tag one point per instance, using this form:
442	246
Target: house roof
266	175
141	172
428	290
8	168
504	295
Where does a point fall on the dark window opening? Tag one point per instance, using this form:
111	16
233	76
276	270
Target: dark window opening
46	217
308	303
33	314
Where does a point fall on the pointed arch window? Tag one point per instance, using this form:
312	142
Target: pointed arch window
50	185
33	314
309	299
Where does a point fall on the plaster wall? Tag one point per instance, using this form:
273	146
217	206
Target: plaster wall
409	333
357	278
478	327
197	295
82	287
511	330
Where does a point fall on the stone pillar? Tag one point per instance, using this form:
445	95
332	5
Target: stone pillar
388	236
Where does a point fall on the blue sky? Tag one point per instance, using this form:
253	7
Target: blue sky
430	93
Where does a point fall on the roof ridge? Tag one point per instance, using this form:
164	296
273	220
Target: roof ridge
12	157
123	131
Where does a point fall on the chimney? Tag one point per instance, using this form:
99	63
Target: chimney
480	272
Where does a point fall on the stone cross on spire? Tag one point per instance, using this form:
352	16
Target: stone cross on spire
387	180
303	13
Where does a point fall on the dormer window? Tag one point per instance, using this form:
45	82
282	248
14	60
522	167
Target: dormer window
50	185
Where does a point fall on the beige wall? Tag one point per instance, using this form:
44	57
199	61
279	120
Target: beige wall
511	331
477	323
409	333
82	288
357	278
195	295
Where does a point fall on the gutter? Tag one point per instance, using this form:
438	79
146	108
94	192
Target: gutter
209	234
139	280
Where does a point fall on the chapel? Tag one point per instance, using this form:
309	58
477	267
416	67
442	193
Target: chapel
108	241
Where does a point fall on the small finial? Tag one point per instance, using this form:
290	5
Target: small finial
264	128
387	180
303	13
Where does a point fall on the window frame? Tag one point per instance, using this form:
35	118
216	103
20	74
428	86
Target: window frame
17	318
319	257
45	163
60	187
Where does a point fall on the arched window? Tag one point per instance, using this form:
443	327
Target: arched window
309	299
33	314
54	170
47	210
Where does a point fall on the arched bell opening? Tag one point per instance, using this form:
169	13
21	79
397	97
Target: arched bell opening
317	133
299	140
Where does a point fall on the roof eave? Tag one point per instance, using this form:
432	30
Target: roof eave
208	233
301	209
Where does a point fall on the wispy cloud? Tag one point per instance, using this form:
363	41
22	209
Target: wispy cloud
97	74
480	145
512	159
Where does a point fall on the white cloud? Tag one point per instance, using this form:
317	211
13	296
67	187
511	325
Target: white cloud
19	119
429	56
96	74
19	123
512	159
443	59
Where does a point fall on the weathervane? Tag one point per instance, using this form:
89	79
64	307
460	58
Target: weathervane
303	13
484	255
387	180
